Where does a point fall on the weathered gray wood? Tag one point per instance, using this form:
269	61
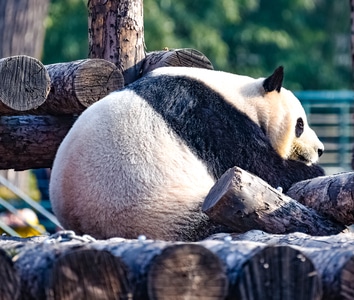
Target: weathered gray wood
332	256
242	201
10	280
29	142
78	84
278	273
175	58
70	271
186	271
332	196
116	33
25	84
149	271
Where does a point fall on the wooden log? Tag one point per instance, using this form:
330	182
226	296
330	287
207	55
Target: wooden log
279	272
10	280
25	84
29	142
78	84
186	271
242	201
71	271
160	269
332	196
74	86
175	58
116	33
332	256
260	271
340	240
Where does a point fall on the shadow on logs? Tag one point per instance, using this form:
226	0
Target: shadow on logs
187	271
278	273
10	280
87	274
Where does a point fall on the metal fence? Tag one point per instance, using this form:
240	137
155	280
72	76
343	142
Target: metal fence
330	114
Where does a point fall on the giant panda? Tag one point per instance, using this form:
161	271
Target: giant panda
142	159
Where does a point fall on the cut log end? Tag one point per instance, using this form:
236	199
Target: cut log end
187	271
88	274
95	79
261	275
25	83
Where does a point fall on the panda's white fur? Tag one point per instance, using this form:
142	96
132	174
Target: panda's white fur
123	170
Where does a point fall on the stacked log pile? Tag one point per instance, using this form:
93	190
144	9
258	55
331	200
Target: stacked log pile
254	265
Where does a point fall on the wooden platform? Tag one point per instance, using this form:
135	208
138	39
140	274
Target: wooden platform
253	265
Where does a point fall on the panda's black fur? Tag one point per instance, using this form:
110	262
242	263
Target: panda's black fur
201	117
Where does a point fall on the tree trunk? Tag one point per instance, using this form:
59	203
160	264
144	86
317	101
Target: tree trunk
242	201
116	33
22	27
29	142
331	196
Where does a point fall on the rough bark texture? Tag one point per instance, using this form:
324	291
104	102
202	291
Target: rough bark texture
22	27
186	271
243	202
66	272
331	196
332	257
116	33
10	280
25	84
29	142
147	269
175	58
78	84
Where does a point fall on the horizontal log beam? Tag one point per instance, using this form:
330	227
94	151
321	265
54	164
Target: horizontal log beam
28	142
70	87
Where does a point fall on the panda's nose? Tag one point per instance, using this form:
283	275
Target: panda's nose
320	152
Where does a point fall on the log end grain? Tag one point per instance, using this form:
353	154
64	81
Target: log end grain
187	271
25	83
278	272
96	78
88	274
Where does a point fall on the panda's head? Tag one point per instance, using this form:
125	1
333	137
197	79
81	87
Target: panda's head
285	122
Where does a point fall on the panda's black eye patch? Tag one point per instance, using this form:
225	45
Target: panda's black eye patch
299	129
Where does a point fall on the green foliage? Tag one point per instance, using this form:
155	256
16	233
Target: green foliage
310	38
66	31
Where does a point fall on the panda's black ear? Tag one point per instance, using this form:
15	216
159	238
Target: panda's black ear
274	81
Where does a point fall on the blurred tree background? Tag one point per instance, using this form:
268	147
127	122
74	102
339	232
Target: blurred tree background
310	38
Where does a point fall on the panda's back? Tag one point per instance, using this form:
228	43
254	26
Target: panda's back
121	171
